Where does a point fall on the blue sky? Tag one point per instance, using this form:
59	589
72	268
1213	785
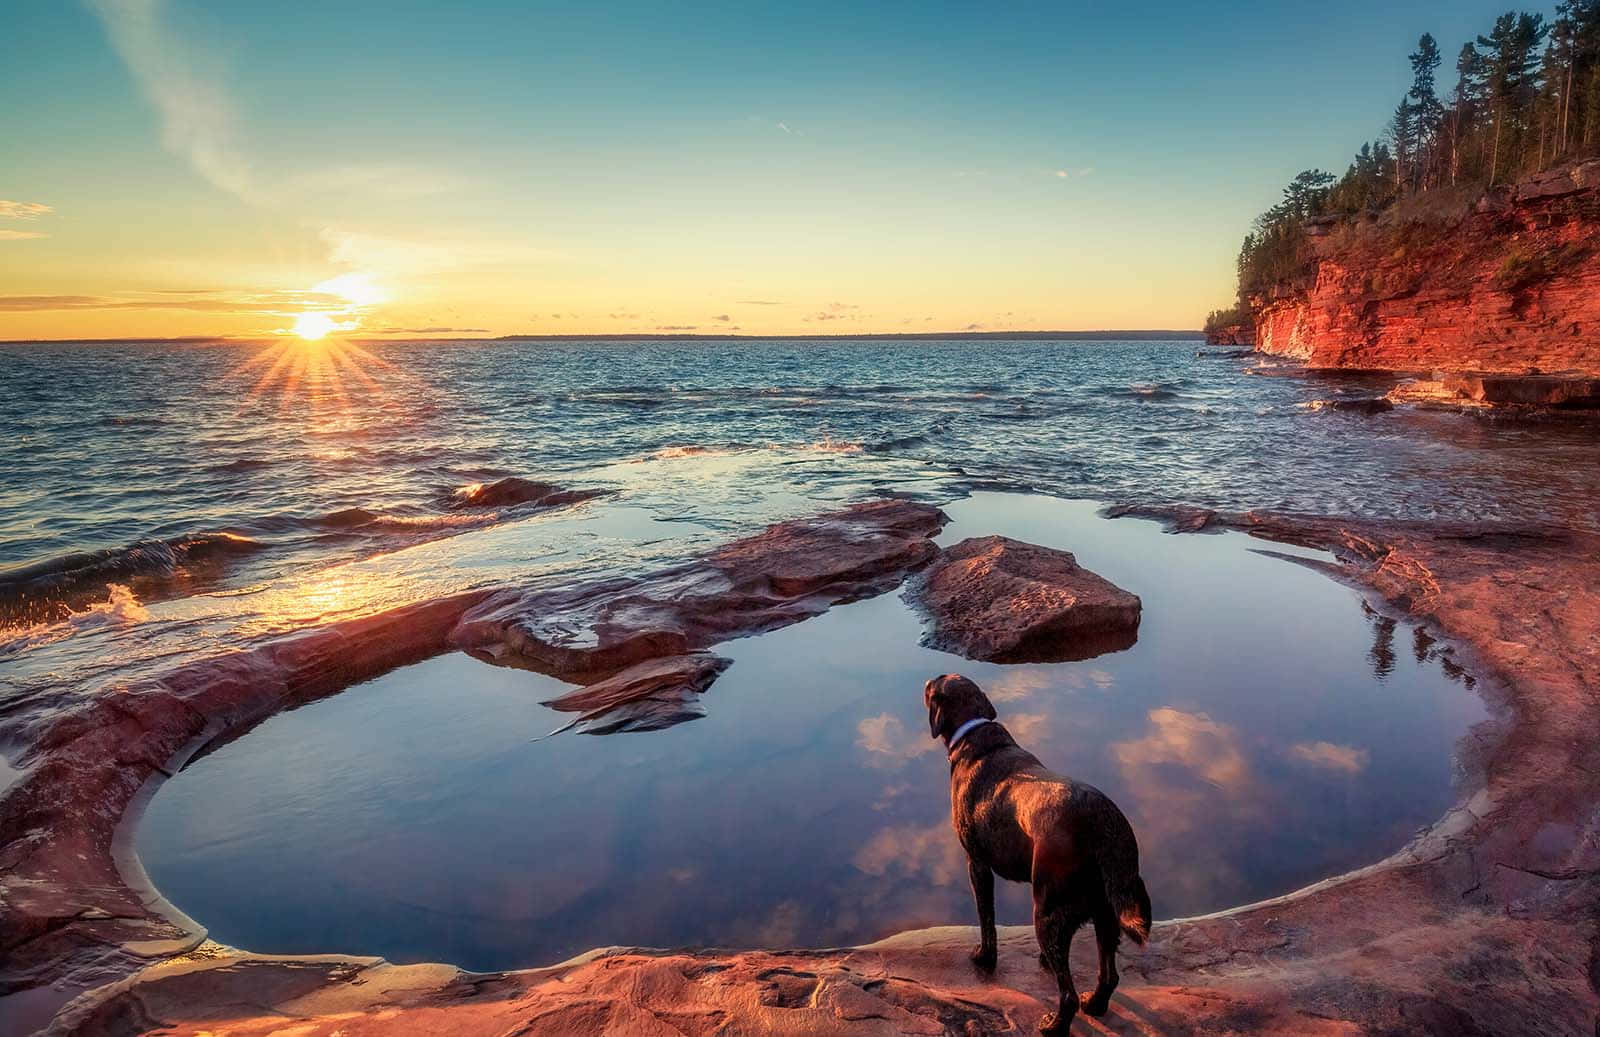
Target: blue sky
527	167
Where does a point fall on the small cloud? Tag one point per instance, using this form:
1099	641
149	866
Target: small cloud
759	302
835	311
20	235
973	327
784	127
676	327
1062	173
1346	758
887	738
723	317
23	210
621	315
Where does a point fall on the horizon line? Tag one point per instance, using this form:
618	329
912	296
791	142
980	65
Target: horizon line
1125	334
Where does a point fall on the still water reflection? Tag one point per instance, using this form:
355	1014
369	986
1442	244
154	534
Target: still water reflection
1267	730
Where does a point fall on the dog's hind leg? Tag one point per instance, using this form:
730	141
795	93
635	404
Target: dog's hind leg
1054	925
985	953
1107	934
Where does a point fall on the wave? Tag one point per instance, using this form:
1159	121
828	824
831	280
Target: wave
121	608
365	521
829	445
49	591
1145	391
513	491
243	464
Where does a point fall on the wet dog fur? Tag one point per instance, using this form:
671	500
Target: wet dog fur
1020	821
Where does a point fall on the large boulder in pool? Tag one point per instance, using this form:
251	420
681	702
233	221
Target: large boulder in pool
1001	600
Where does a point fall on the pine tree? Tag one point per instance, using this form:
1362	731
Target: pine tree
1423	107
1509	63
1469	66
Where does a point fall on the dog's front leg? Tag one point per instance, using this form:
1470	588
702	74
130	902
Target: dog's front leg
985	953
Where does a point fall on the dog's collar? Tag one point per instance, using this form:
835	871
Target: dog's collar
962	732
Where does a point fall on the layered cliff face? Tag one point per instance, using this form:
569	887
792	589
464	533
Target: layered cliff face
1509	282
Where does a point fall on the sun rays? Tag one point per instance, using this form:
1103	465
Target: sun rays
314	371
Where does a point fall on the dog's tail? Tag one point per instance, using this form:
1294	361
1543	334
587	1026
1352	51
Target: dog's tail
1119	870
1131	901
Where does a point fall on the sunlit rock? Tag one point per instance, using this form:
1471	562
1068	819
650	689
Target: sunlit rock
1001	600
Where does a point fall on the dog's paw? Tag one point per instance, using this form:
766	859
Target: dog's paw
1094	1004
984	957
1056	1024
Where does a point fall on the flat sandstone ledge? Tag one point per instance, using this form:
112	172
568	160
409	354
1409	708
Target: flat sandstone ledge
1485	924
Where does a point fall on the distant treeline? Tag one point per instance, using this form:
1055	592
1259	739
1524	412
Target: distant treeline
1524	97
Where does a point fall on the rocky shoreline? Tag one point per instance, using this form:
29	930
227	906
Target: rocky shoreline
1485	924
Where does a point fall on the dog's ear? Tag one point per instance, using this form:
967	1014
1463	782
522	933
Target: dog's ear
932	698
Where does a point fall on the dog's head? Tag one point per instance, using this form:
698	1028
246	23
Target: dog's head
952	700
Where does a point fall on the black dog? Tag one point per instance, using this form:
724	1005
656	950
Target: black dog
1018	820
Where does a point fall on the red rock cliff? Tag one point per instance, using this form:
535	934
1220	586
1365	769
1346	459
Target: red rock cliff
1507	283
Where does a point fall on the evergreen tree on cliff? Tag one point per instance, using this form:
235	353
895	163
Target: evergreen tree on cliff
1467	100
1424	108
1510	56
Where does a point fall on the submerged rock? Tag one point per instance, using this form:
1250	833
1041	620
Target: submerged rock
513	490
1002	600
648	696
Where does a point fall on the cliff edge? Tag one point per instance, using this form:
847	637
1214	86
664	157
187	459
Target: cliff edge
1502	281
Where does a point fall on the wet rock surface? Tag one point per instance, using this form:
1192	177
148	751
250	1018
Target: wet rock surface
71	916
790	572
1002	600
1486	923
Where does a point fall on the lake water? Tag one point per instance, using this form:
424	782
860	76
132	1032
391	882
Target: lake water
239	491
1266	730
159	503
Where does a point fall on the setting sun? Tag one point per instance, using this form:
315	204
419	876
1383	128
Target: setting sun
313	326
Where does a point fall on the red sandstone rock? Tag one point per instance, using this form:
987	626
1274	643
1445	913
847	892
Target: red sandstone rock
1504	287
69	916
1231	335
1002	600
789	572
648	696
1486	923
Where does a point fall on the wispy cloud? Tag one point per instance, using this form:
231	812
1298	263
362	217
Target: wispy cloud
759	302
197	120
400	257
280	303
1346	758
23	210
723	317
1067	173
835	311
